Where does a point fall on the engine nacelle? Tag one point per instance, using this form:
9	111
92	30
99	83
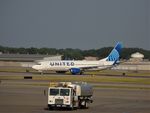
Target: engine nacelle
75	71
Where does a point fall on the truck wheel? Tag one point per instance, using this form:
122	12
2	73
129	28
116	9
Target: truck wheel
86	105
71	108
50	107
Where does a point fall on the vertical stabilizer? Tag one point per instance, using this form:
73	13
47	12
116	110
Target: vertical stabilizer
115	53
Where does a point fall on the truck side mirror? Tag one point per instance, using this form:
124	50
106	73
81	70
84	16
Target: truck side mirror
44	92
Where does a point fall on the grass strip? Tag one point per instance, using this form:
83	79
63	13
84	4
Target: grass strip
95	79
94	86
90	79
122	87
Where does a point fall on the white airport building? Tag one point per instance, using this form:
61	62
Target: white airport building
135	63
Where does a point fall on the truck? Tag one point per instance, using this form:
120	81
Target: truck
69	95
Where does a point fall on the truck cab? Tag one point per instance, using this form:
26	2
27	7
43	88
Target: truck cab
60	97
69	95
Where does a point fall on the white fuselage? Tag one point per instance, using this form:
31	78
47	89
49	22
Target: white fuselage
65	65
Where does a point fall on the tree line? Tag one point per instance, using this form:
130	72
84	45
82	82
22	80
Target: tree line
76	54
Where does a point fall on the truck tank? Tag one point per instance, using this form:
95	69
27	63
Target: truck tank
82	89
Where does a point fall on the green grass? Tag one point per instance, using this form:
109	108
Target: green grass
123	87
95	79
91	79
11	77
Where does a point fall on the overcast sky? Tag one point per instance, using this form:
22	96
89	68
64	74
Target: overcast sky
83	24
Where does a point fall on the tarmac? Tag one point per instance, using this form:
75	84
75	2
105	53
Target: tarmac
25	96
17	97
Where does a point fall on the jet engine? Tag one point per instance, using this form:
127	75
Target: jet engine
75	71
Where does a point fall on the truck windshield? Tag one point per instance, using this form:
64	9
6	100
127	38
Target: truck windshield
64	92
54	91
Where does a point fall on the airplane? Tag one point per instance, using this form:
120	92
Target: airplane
79	66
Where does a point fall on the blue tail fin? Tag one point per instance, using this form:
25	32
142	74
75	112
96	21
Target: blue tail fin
115	53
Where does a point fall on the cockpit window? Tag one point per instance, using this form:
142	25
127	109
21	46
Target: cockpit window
64	92
54	91
39	63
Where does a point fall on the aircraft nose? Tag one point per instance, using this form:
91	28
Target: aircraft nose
35	67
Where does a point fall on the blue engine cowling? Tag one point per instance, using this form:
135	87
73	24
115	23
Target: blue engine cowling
75	71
